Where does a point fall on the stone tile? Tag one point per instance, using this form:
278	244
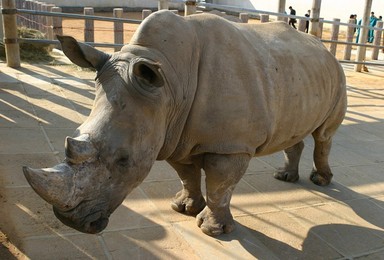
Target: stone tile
136	211
242	243
11	174
59	117
365	180
25	214
148	243
257	165
161	171
371	255
161	194
22	141
47	102
18	118
284	237
338	228
363	212
64	247
57	137
284	194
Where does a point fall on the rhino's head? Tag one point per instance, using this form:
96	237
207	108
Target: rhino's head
114	149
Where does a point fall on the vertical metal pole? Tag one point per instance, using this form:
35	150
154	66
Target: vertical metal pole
281	10
315	18
12	50
360	56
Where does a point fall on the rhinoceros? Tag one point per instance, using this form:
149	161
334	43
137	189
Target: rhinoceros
202	93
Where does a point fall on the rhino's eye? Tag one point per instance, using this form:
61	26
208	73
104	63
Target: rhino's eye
123	161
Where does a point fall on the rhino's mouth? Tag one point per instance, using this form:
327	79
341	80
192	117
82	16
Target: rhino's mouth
92	224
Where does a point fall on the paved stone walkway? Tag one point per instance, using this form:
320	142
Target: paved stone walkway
40	105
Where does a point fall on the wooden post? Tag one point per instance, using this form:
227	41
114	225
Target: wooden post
244	17
377	40
89	32
12	51
281	10
57	22
118	27
335	36
350	34
360	56
49	24
315	18
190	7
43	19
28	6
145	13
264	18
302	23
39	17
163	4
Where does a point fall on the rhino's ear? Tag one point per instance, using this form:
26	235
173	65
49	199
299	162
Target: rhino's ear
148	71
82	54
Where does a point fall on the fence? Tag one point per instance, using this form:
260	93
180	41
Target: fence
47	18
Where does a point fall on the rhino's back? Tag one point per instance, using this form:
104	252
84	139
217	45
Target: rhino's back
261	88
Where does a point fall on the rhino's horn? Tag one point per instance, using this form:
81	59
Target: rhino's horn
54	185
79	149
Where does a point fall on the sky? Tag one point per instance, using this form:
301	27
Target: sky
330	9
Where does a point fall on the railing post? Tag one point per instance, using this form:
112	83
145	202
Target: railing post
335	36
12	50
377	40
264	18
190	7
89	33
315	19
350	34
281	9
118	27
57	22
361	50
163	4
302	23
145	13
244	17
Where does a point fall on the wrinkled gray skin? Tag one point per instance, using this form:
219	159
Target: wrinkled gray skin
202	93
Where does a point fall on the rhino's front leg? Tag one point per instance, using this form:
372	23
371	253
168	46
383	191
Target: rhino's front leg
189	200
223	172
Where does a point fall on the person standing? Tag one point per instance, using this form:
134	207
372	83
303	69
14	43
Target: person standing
308	14
372	23
292	20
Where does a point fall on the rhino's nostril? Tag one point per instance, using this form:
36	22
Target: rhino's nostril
96	226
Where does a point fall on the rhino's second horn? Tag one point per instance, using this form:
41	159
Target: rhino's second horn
79	149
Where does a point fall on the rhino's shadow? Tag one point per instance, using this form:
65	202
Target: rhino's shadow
338	241
368	208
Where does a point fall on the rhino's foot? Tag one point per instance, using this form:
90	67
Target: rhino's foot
214	224
286	175
321	179
189	205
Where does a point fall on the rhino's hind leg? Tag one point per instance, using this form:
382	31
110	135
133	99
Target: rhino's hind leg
321	173
290	171
189	200
223	172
